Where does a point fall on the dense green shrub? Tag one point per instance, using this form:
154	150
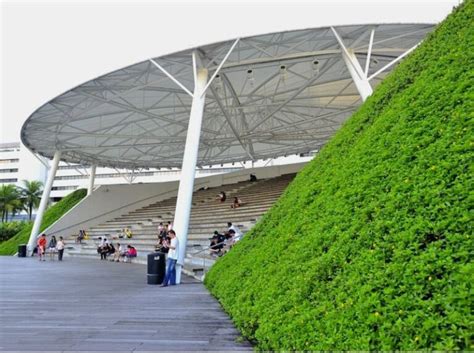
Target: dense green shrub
51	215
369	248
9	229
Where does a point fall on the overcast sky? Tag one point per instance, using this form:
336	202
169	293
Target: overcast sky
48	47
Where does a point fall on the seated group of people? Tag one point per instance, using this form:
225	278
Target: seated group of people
54	247
82	235
106	248
221	243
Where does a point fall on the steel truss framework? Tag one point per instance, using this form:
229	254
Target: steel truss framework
267	96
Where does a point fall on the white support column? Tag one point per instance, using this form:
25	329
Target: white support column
361	82
91	179
358	75
44	202
188	169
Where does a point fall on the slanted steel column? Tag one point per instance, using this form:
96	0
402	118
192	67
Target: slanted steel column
361	82
44	202
91	179
357	73
188	169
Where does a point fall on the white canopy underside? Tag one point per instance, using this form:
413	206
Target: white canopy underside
277	94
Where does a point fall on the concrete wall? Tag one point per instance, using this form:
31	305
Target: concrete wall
111	201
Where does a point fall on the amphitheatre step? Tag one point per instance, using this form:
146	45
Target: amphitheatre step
207	215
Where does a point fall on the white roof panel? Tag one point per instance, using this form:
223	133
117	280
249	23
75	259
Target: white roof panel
276	94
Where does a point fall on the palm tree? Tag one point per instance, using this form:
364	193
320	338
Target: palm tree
31	195
10	201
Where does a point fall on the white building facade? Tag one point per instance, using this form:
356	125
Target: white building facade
18	164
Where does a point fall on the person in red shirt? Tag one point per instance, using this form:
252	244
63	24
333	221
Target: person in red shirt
42	247
131	252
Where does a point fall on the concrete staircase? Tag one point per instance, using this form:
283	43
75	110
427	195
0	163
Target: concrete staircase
207	215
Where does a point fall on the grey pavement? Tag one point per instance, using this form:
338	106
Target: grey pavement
92	305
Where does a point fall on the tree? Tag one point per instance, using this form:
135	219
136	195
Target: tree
31	195
10	201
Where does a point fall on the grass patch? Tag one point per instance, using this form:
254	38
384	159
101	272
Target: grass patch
370	246
51	215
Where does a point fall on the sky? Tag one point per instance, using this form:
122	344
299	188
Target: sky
49	47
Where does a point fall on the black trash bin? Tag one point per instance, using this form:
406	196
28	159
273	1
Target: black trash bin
22	250
156	268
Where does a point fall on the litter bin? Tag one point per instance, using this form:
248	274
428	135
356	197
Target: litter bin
156	268
22	250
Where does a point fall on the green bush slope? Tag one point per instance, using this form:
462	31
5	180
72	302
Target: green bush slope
370	246
51	215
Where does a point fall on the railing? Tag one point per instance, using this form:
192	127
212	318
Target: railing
207	248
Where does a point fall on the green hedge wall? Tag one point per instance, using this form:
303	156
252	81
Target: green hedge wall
51	215
10	229
369	248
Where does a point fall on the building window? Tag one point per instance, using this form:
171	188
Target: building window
12	170
68	187
12	180
7	161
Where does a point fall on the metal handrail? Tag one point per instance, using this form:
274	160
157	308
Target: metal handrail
208	247
204	258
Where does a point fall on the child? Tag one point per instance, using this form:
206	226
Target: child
60	246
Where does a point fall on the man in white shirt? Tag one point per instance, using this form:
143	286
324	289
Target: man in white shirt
170	276
238	233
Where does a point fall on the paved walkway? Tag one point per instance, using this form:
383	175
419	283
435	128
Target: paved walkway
79	305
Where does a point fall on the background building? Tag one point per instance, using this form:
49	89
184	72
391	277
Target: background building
18	164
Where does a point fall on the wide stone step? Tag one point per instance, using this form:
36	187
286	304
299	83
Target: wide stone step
207	215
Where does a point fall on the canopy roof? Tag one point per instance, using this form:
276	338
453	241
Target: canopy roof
276	94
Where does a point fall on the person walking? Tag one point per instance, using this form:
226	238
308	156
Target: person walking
60	246
170	276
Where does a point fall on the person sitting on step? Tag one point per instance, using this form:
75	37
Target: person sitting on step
128	233
130	253
221	196
80	237
237	203
111	249
103	250
229	240
217	243
238	233
119	251
103	247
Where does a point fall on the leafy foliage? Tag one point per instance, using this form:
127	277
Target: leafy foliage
51	215
369	248
31	195
10	202
9	229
